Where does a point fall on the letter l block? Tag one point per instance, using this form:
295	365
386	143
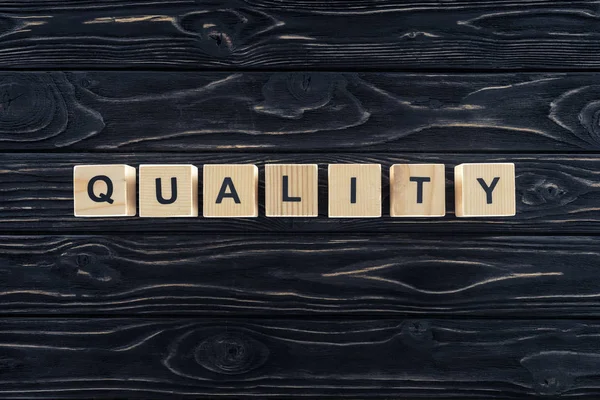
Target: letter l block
291	190
104	190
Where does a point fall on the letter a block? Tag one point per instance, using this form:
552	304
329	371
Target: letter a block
291	190
417	190
230	190
354	190
168	191
485	190
104	190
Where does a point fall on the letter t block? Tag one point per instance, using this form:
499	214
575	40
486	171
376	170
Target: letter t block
485	190
417	190
104	190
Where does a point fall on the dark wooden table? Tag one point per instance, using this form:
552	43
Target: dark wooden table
276	307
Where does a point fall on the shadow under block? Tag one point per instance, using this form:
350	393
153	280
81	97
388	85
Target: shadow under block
291	190
104	190
230	190
354	190
168	191
417	190
485	190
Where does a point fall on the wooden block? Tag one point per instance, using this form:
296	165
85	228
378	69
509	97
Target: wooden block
485	190
291	190
354	190
104	190
230	190
417	190
168	191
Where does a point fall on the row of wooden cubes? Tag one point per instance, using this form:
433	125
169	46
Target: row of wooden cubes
291	190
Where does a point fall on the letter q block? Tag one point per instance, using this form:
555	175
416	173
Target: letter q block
104	190
168	191
485	190
230	190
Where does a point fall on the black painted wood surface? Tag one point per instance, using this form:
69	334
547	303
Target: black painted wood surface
299	111
240	358
501	308
555	193
283	34
501	276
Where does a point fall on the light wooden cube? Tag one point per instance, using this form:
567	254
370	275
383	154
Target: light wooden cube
417	190
168	191
230	190
104	190
485	190
291	190
354	190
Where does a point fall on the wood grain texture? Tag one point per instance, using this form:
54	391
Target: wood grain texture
230	190
291	190
274	34
304	275
484	190
238	358
298	111
418	198
554	194
178	191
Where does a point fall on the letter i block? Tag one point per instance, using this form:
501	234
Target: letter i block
230	190
354	190
417	190
104	190
168	191
291	190
485	190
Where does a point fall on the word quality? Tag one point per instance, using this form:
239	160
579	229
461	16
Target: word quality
291	190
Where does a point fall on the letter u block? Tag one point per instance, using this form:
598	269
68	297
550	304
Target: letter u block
168	191
485	190
291	190
104	190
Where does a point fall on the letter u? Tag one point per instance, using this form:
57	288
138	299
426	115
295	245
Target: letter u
159	196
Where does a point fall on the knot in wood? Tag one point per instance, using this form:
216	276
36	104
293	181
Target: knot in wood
551	383
221	32
538	190
589	117
231	353
418	333
289	95
89	265
214	29
29	105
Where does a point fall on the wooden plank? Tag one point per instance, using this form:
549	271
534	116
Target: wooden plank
554	194
142	358
187	34
504	276
298	111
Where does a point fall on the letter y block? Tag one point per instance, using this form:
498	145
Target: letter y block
485	190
